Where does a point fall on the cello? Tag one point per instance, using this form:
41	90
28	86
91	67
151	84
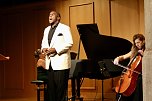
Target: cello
128	80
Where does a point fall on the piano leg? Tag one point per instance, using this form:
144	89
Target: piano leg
102	91
76	89
73	89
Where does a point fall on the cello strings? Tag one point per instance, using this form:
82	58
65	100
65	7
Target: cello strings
128	68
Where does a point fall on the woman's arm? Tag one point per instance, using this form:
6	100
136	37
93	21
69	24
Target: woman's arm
122	57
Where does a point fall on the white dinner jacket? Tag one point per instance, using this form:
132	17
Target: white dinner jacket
62	41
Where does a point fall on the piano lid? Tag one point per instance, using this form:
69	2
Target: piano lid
98	47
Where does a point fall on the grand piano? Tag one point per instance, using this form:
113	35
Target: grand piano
100	50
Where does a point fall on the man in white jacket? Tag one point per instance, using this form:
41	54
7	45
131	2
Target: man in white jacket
56	43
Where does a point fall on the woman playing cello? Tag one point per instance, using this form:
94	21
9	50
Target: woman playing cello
138	48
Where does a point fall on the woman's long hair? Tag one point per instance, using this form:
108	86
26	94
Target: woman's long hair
134	47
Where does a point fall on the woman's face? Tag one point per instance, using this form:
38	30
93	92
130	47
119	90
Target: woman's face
139	44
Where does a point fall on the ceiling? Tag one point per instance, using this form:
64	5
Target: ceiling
8	3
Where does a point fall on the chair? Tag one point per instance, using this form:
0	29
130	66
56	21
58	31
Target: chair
41	83
38	83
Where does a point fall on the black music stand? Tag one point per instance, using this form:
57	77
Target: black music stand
108	72
105	72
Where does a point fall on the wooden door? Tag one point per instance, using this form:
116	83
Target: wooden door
82	14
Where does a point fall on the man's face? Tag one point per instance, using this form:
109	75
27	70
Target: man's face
53	17
139	44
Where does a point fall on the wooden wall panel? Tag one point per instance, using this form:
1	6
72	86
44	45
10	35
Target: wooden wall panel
78	18
1	52
141	16
29	44
125	18
41	22
33	26
102	16
21	32
13	43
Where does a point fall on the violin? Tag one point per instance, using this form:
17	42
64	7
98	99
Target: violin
128	80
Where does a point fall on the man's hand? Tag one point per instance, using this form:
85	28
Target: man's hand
49	51
52	50
45	50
